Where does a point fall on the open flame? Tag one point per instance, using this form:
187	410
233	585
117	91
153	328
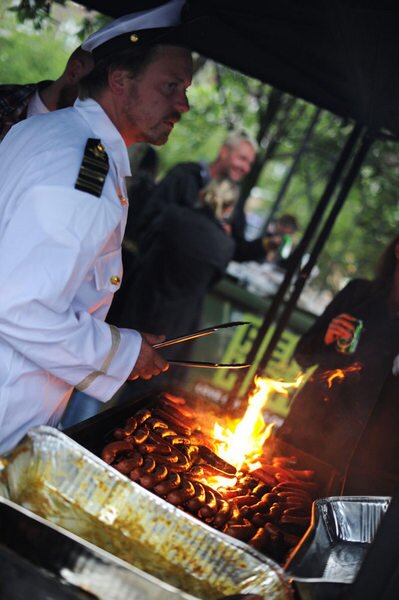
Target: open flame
340	374
241	441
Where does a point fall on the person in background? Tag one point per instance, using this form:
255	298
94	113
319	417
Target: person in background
350	420
187	251
20	101
183	183
62	219
182	186
284	227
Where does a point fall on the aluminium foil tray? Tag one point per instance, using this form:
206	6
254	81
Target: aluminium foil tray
41	561
56	478
330	554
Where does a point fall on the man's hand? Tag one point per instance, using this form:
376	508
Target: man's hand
149	362
341	326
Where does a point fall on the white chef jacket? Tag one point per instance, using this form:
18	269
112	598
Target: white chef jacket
60	263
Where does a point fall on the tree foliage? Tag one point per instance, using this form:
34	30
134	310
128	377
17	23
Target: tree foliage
222	100
29	54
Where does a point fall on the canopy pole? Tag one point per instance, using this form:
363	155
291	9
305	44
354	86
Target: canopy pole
296	257
305	272
291	171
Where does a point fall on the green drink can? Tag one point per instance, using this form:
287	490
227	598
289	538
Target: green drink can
348	346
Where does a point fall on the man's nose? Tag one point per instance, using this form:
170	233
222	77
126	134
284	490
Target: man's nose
182	104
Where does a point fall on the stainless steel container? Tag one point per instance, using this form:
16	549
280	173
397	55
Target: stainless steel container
329	556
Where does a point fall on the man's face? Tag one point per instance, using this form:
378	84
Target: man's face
237	161
284	229
155	100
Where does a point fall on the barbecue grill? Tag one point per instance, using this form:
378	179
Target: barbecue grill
62	477
97	433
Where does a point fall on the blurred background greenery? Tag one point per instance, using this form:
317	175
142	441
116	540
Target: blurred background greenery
37	38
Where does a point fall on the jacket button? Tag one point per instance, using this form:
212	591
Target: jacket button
115	280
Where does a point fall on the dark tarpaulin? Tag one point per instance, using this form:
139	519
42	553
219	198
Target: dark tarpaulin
341	55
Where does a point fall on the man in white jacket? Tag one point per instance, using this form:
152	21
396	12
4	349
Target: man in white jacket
63	211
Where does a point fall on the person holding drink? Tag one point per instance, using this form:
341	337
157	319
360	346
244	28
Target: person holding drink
349	403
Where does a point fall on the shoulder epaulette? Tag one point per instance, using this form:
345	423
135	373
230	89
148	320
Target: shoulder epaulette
94	168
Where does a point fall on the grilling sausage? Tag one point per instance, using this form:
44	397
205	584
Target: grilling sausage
181	495
223	514
150	480
295	520
172	421
306	486
182	414
294	475
128	464
284	461
174	399
111	450
156	424
290	494
130	426
140	435
261	489
244	531
261	538
247	500
143	415
195	503
260	519
148	465
162	448
171	483
267	478
209	509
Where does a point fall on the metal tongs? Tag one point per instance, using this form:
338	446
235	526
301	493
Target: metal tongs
198	334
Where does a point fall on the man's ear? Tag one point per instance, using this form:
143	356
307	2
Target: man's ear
74	70
117	81
78	68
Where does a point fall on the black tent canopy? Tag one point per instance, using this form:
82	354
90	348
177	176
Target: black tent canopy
341	55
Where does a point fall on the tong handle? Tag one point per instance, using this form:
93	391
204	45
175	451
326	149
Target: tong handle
197	334
208	365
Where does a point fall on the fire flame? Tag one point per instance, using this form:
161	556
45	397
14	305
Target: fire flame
340	374
240	441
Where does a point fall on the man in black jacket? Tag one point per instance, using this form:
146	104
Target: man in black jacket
183	183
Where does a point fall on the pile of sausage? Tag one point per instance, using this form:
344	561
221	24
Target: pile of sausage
165	451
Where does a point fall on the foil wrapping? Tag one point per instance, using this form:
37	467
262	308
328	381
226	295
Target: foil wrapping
48	562
59	480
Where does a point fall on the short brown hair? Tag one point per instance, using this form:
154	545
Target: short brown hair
135	61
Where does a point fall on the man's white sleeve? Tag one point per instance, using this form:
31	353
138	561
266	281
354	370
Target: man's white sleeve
47	250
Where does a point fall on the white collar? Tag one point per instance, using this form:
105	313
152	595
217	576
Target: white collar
106	131
36	106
